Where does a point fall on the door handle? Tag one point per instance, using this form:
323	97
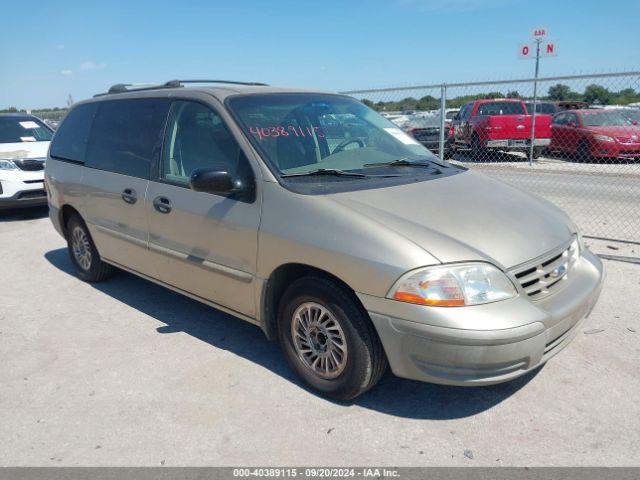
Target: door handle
162	204
129	196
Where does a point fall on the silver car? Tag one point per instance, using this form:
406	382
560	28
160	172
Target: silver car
321	222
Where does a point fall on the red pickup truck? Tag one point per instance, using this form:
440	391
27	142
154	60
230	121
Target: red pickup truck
499	124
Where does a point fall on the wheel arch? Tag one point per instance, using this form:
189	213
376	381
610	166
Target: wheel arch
65	213
277	283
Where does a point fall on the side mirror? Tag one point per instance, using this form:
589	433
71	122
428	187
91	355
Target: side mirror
210	180
571	124
634	122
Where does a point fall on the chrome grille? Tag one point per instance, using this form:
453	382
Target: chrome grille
548	274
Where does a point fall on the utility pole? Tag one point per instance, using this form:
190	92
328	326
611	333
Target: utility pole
543	48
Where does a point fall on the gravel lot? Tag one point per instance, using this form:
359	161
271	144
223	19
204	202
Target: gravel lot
128	373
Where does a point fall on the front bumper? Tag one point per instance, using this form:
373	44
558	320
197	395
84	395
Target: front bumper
446	345
615	150
21	189
24	200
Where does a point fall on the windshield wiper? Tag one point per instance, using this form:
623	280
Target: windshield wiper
404	162
331	172
325	171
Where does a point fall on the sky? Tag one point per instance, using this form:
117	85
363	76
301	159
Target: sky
49	50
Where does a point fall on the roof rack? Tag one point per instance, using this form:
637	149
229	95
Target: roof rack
131	87
229	82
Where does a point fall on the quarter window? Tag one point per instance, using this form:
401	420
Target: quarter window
196	137
127	136
72	136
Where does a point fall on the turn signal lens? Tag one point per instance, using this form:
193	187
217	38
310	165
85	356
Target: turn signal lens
453	286
575	250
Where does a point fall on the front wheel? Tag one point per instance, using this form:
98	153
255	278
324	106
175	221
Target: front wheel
328	339
584	152
83	252
537	152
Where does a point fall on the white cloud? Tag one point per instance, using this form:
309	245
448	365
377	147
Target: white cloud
88	65
59	47
67	72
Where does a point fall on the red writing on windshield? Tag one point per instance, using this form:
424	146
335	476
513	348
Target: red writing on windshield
288	131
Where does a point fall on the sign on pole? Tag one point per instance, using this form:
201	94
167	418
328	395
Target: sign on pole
548	48
539	32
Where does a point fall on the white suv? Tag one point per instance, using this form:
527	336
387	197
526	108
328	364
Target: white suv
24	141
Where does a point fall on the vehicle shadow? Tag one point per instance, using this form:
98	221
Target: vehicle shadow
392	396
21	214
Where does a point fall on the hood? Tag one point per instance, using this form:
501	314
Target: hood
24	150
615	131
465	217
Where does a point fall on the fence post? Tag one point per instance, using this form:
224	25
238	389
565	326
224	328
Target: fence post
535	101
443	106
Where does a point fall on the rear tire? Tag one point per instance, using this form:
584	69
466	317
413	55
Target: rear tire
328	340
84	255
478	151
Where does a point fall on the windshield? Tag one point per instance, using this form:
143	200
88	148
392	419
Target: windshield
631	113
609	118
299	133
23	129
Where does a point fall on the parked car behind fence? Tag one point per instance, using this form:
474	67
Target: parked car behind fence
595	134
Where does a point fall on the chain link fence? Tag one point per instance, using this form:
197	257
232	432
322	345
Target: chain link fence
578	146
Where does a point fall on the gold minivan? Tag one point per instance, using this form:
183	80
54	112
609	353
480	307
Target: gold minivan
313	217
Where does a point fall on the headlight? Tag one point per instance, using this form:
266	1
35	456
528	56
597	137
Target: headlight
6	164
604	138
453	286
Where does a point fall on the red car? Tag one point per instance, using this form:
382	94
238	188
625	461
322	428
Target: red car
499	124
595	133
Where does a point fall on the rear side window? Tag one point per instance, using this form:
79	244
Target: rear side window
127	136
501	108
72	136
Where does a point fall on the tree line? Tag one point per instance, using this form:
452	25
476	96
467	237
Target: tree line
593	94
